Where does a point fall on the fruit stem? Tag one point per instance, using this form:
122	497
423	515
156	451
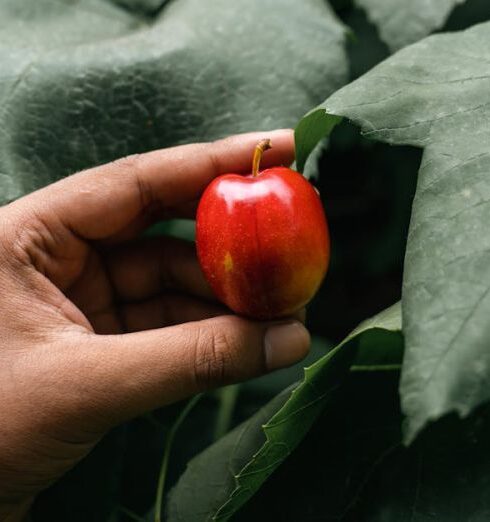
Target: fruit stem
261	147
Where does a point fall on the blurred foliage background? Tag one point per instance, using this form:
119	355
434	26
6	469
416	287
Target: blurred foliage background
367	189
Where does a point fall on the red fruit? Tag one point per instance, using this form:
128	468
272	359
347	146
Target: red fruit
262	240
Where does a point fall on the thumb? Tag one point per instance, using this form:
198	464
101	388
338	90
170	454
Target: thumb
132	373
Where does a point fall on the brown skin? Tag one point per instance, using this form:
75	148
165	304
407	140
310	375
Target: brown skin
99	325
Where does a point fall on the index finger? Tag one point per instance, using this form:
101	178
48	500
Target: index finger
100	202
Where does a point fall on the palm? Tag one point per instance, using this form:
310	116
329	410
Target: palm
93	292
131	286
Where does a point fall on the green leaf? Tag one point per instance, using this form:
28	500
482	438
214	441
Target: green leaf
85	82
436	94
310	130
402	22
352	466
267	386
224	477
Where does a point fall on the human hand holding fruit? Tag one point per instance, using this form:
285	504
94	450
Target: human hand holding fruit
99	325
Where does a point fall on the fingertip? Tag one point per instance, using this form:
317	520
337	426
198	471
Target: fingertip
286	344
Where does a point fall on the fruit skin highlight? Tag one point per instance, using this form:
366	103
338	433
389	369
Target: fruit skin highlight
262	240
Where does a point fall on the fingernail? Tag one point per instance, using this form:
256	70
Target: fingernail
285	344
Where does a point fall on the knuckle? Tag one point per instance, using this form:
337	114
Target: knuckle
34	243
15	241
213	360
211	161
132	166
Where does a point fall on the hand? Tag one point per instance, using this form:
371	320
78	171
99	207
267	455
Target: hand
99	325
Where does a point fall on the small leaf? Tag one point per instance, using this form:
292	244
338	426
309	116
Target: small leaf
224	477
310	130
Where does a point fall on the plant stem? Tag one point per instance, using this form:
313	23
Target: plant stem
261	147
227	397
166	454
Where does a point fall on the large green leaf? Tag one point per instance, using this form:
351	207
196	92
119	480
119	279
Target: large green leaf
352	465
85	81
436	94
402	22
222	478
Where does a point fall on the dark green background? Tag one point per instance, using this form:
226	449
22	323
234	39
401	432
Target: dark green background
85	82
